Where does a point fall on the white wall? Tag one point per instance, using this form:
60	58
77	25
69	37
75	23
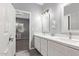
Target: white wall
71	8
58	12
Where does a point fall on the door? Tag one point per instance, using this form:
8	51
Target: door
7	28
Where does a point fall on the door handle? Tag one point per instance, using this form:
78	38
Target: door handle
10	39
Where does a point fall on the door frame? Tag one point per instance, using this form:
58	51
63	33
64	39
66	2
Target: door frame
27	12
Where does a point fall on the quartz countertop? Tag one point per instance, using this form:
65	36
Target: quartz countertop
61	40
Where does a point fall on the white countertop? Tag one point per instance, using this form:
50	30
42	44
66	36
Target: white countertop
61	40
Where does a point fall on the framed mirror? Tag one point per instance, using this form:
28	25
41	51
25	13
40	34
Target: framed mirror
48	21
45	22
71	18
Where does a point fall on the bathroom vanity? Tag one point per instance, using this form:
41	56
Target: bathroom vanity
49	45
58	45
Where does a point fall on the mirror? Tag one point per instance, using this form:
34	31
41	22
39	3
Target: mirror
45	22
71	17
48	21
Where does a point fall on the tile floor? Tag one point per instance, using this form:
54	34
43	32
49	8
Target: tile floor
23	53
22	49
28	53
22	44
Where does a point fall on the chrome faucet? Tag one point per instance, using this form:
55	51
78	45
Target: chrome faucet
70	34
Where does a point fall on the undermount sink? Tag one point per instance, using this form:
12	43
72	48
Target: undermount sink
75	40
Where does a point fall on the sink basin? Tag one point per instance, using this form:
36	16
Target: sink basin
75	40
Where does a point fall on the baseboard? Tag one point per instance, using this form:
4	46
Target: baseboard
32	48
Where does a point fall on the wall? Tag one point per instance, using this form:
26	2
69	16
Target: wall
58	12
71	8
35	16
75	21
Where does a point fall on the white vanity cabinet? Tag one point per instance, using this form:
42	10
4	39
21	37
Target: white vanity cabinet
53	49
57	49
37	43
72	52
43	47
49	46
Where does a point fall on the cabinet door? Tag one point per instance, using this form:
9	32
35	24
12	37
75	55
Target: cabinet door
44	47
37	43
56	49
53	50
72	52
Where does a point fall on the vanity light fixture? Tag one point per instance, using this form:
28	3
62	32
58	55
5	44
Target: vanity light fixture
46	11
